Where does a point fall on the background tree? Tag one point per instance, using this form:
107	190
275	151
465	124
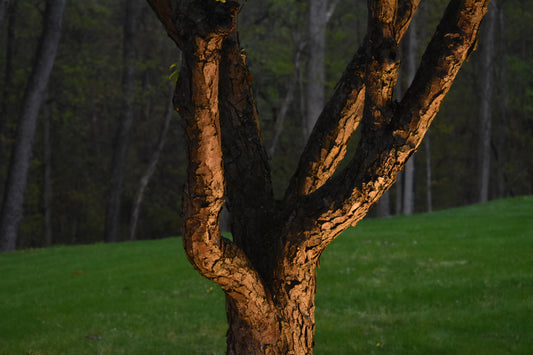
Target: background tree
268	270
122	140
411	57
485	117
319	15
84	110
145	179
11	212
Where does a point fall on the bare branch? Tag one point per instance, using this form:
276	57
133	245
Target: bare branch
405	12
247	170
163	10
383	63
383	152
456	37
196	98
341	116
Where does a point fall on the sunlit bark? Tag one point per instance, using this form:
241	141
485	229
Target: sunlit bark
268	271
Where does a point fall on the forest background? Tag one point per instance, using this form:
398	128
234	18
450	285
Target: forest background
479	147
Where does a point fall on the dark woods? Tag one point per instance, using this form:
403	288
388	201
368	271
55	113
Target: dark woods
106	154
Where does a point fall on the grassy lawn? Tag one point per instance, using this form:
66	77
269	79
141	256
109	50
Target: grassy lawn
452	282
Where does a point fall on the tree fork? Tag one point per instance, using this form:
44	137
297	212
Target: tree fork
268	272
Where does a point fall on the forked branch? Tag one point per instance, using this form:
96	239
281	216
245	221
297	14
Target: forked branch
199	29
387	143
342	114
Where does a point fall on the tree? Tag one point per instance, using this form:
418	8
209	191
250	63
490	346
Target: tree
410	71
4	5
11	212
122	138
485	117
147	175
319	15
268	270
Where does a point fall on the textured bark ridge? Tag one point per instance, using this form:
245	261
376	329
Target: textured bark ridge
268	270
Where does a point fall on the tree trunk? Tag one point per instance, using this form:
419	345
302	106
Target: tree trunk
4	5
47	179
289	96
11	213
289	326
398	201
411	56
268	270
11	10
316	67
502	120
122	137
383	206
145	179
485	119
429	195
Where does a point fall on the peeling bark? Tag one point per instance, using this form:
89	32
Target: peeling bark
268	271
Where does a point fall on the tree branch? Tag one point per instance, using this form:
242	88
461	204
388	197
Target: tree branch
341	116
163	10
383	152
247	171
382	63
199	29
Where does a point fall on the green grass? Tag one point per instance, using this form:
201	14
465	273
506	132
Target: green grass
452	282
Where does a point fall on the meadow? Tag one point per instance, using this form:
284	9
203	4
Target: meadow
456	281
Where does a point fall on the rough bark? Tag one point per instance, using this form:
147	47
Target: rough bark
268	271
122	136
327	145
35	93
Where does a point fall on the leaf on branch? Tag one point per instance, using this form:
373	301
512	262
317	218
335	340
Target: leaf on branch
174	75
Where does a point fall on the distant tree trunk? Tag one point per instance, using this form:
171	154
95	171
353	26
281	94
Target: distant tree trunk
11	10
383	206
485	119
502	120
122	137
4	5
11	213
289	97
411	56
429	194
47	178
145	179
282	114
398	201
316	67
409	187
